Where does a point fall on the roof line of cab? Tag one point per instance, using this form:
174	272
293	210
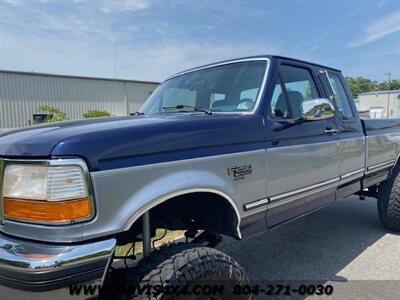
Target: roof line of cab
249	58
304	61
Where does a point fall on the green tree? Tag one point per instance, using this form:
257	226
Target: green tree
55	115
394	85
96	114
361	85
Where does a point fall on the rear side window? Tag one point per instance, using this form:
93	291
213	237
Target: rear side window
340	97
294	85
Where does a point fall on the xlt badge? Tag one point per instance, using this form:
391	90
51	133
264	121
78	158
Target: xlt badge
240	172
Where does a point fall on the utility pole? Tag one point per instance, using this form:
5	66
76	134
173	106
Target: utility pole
388	98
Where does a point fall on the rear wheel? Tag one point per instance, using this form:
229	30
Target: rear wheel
389	201
185	271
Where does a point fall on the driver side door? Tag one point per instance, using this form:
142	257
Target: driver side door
302	163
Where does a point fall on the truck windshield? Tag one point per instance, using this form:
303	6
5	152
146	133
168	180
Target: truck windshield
232	87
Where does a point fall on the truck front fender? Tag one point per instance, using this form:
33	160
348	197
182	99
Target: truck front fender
178	184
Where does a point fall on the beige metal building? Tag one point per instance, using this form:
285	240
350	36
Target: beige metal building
22	93
380	104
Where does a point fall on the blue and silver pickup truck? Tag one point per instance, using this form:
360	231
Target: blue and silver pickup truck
232	148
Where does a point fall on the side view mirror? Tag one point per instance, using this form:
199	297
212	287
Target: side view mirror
317	109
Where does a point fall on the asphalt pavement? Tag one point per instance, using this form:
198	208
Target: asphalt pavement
343	245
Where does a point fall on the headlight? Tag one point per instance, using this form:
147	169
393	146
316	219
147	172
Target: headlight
46	193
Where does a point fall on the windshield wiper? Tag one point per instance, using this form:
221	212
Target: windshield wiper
137	113
195	108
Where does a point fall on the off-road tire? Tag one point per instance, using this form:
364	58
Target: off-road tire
389	201
186	265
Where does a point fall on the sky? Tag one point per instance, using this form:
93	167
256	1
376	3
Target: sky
152	39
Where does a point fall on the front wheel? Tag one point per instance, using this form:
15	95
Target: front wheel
185	271
389	201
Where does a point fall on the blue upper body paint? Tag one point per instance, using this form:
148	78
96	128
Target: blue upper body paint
130	141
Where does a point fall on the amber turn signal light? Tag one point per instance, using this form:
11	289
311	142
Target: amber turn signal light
48	211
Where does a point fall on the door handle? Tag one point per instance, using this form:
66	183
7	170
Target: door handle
331	130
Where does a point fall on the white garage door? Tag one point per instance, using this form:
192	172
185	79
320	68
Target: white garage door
376	112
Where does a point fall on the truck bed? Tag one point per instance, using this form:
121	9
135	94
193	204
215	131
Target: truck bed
382	141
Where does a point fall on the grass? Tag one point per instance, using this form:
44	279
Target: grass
170	236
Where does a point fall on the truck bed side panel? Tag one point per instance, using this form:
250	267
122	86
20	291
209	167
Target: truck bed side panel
383	143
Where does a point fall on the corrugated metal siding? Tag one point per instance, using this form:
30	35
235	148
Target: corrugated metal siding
22	94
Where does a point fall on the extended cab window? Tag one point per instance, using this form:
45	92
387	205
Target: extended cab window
294	85
340	97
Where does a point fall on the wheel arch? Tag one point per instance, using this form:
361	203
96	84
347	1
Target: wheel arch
154	203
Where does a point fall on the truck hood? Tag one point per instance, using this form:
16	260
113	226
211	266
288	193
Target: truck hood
125	141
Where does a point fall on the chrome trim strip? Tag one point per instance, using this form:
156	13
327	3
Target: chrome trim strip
256	204
302	190
262	87
381	165
217	64
347	175
52	162
164	198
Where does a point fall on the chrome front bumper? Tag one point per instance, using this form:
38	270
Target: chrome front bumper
35	266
